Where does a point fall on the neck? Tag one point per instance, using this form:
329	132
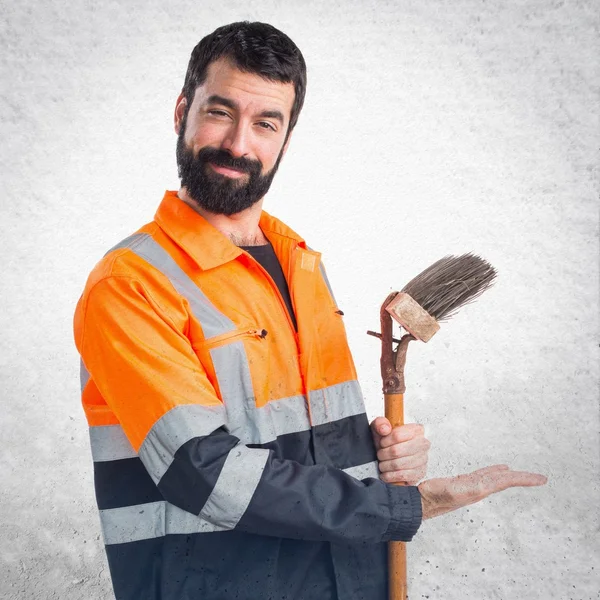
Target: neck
241	228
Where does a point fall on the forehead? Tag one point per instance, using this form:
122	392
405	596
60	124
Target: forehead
248	90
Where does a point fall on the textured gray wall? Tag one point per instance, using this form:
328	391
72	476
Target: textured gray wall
429	128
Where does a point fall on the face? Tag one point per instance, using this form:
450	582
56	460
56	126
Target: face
232	138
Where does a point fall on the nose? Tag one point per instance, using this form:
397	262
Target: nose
236	141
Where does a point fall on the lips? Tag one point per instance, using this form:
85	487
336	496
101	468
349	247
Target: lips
227	171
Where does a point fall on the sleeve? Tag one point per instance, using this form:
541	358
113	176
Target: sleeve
145	368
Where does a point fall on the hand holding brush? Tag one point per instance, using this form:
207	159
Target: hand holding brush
434	295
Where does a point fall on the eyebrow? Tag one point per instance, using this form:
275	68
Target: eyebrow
266	114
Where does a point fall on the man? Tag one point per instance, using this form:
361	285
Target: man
232	453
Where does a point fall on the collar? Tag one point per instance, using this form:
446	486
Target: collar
205	244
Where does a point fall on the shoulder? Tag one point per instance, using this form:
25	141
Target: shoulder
128	258
130	284
136	268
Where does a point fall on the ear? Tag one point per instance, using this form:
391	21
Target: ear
180	109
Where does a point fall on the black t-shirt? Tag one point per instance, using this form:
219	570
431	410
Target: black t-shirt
266	257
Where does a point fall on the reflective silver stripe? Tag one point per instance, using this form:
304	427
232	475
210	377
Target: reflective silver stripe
244	420
370	469
235	486
148	521
324	275
84	375
109	442
265	424
133	523
212	320
233	374
336	402
254	425
280	417
174	429
127	242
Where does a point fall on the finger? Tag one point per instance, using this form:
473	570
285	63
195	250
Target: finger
509	479
402	433
381	426
406	462
490	469
446	494
419	445
380	423
482	482
478	485
409	476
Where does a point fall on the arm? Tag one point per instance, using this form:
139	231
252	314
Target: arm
147	372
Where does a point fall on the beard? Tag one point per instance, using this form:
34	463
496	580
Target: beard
218	193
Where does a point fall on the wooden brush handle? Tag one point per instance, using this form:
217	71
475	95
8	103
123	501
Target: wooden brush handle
394	409
397	571
394	412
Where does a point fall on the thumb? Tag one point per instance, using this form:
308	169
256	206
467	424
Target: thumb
380	427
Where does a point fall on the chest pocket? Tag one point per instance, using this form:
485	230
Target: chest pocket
237	364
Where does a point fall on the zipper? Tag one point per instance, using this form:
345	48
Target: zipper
286	314
294	258
225	338
278	293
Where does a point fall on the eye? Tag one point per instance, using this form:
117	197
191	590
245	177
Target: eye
266	125
216	112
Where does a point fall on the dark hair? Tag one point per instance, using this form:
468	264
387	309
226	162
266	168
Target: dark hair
254	48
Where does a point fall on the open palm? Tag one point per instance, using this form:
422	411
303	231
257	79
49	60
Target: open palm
446	494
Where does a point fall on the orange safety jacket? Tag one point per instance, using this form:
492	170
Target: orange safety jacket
225	443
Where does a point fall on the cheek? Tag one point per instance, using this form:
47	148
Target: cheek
268	157
205	135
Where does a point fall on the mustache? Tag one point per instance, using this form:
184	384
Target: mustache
222	158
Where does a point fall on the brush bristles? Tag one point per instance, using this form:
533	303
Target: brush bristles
450	283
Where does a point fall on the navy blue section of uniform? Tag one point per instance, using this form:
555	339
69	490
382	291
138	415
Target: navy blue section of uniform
123	483
293	446
311	564
136	569
356	560
155	569
344	443
319	503
191	477
266	257
406	513
263	563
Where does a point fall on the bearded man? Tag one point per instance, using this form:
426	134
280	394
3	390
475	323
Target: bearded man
232	453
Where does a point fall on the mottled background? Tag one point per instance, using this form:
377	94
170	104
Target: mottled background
429	128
